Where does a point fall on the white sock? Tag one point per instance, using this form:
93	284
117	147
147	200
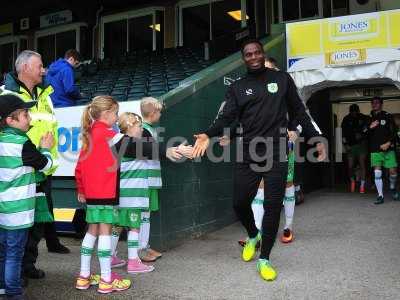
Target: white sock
258	208
86	253
297	188
378	182
133	244
362	183
289	203
393	181
144	235
104	254
114	242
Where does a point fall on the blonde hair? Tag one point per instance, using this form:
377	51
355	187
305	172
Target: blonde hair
128	119
149	105
92	113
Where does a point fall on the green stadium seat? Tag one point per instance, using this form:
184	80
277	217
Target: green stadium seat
82	101
156	93
119	97
137	89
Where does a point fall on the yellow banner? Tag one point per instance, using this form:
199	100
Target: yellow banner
6	29
354	32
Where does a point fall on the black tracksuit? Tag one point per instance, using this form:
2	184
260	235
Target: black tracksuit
355	129
261	102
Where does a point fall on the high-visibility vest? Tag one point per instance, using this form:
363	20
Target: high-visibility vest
43	118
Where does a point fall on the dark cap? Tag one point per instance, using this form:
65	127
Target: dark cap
10	103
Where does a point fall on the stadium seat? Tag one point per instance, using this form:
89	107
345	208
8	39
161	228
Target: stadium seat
135	97
121	85
172	86
118	91
137	89
139	73
82	101
156	93
119	97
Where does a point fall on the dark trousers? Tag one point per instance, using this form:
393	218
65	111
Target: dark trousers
246	181
39	230
298	173
50	233
31	249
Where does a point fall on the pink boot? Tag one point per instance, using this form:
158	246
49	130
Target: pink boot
117	262
136	266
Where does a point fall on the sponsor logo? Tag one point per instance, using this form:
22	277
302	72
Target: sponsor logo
68	139
346	57
228	81
249	92
353	27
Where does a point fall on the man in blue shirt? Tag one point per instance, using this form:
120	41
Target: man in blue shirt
60	76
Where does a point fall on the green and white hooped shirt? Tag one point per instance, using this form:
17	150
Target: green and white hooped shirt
17	181
154	166
134	184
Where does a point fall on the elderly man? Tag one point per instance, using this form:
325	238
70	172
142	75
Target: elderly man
27	84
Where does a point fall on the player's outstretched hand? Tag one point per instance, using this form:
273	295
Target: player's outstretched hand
186	150
47	140
292	136
201	145
81	198
321	152
173	154
224	140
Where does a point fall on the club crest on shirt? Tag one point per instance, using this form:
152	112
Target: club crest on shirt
383	122
133	217
272	87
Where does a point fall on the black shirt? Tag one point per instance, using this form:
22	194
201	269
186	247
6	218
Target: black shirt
260	102
383	133
32	157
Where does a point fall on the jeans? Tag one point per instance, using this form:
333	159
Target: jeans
12	246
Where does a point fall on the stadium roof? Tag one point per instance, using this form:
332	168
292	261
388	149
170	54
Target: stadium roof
11	12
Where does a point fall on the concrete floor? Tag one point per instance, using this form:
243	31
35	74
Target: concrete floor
345	248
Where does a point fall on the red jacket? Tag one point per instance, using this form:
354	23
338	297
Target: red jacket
96	172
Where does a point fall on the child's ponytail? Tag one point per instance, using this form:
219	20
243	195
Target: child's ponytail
92	113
